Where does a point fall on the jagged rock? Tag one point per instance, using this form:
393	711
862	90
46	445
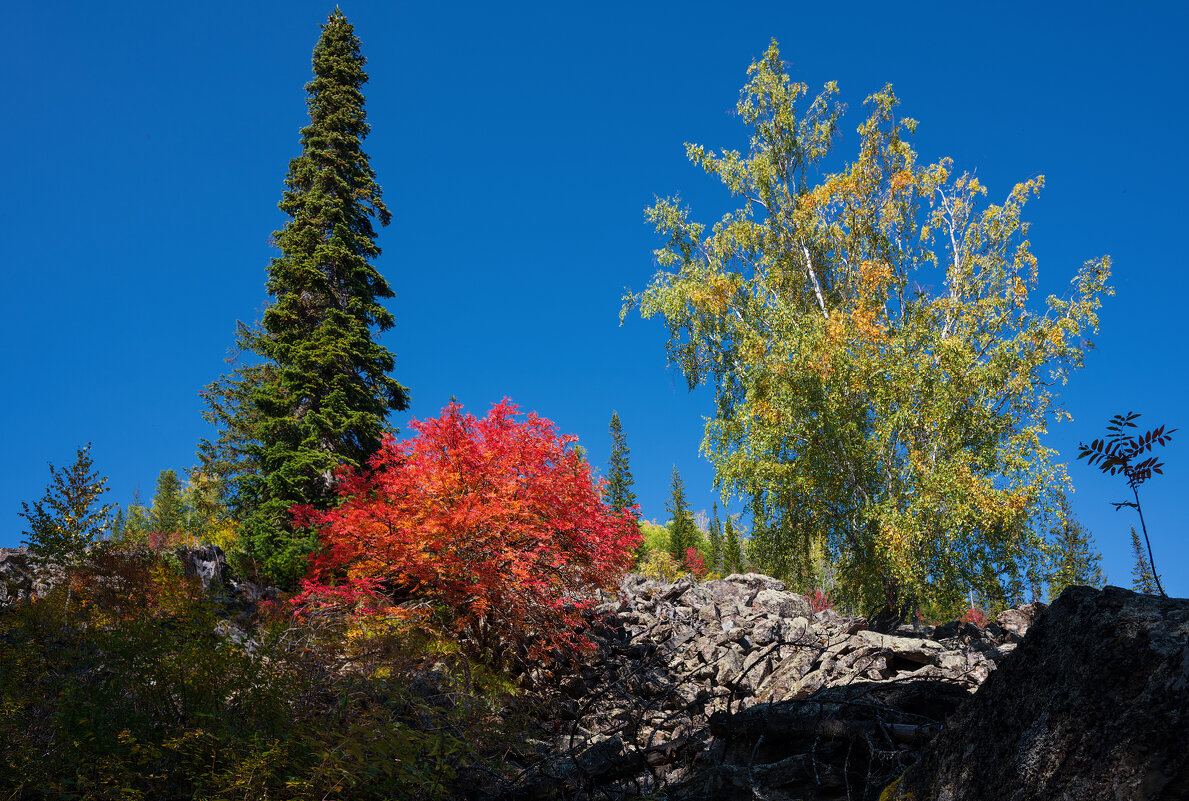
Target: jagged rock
783	604
1093	704
1019	620
16	575
23	575
925	652
672	656
208	564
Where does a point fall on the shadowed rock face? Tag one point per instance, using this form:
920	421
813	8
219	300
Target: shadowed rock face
1094	704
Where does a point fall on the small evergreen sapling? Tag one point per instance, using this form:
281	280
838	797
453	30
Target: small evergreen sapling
69	516
1076	561
683	534
168	515
1142	577
716	543
733	551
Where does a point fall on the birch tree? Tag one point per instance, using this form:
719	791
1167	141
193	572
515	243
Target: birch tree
883	373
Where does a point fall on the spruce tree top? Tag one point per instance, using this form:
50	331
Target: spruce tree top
331	390
332	196
619	481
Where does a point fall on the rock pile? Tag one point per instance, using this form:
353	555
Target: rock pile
727	688
21	578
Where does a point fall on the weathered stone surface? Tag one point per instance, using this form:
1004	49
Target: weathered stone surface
1093	704
782	604
16	575
206	563
23	576
808	705
1020	619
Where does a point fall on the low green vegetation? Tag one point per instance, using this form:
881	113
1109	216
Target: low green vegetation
146	690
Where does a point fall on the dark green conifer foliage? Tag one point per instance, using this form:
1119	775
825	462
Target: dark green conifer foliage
118	523
168	514
619	479
1142	577
732	550
1076	561
682	531
716	544
320	393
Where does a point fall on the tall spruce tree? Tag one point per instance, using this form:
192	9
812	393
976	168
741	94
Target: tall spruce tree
619	478
318	393
1076	561
682	532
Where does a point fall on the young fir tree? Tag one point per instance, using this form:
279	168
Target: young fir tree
1076	561
118	523
619	478
1142	577
319	393
716	544
168	514
732	550
68	517
136	521
682	532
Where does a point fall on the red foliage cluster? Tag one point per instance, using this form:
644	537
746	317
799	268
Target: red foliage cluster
974	615
820	601
498	520
694	563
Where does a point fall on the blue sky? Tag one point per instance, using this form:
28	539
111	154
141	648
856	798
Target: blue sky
518	145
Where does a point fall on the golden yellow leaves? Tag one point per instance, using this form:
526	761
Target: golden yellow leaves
995	505
713	295
901	180
764	411
900	537
1019	293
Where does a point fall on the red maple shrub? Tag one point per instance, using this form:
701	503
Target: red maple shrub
974	615
820	601
498	521
694	563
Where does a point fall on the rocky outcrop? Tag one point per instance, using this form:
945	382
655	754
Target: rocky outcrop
1093	705
21	577
730	688
208	564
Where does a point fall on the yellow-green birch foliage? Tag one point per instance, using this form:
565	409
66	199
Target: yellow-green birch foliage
883	376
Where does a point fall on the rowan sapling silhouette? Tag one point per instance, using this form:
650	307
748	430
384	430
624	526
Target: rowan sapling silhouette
1117	453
